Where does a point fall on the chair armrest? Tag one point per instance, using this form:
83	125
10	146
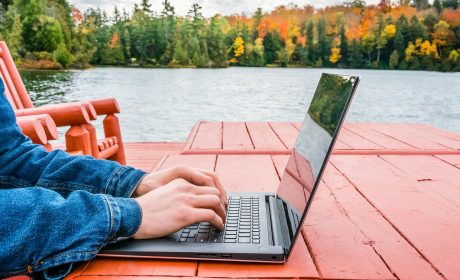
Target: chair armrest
48	125
32	128
66	114
105	106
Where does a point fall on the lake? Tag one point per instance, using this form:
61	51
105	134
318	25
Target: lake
164	104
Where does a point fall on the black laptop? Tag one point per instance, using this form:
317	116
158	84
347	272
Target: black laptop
263	227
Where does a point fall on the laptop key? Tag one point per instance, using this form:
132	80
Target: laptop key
244	240
202	238
182	239
215	239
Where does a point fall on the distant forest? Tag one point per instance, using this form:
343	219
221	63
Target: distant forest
415	35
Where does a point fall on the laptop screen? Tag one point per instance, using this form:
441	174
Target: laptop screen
314	143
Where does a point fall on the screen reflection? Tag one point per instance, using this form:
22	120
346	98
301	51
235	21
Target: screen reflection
315	138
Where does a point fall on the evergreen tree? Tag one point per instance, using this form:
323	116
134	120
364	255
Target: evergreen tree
420	4
450	4
116	15
310	48
145	6
215	40
394	60
355	59
343	44
256	22
416	30
14	37
323	46
272	45
437	6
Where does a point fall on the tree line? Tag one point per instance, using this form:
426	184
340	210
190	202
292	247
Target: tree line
410	34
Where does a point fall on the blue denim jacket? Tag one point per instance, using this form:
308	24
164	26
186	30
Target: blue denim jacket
57	209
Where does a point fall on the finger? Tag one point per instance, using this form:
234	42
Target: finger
205	190
217	183
207	215
209	202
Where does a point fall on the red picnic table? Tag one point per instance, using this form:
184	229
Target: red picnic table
387	207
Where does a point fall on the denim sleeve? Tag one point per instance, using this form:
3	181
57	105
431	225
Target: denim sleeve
41	229
31	165
55	208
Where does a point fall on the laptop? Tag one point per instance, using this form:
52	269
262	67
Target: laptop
263	227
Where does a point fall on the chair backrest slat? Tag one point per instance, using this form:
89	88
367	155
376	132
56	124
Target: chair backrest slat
10	89
17	89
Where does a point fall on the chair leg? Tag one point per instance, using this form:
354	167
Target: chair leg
112	128
78	139
93	139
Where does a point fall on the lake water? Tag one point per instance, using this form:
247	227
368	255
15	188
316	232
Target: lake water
163	104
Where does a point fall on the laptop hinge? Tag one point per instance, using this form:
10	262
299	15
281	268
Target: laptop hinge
281	236
274	222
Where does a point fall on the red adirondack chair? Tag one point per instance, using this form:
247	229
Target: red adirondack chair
81	136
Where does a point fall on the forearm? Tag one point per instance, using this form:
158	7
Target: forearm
40	229
31	165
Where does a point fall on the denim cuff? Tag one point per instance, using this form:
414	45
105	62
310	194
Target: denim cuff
126	217
131	217
124	181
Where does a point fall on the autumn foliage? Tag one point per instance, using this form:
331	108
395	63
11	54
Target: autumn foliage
411	35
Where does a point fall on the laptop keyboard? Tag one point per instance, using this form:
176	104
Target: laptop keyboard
243	225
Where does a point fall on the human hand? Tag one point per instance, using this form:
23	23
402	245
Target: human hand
199	177
176	205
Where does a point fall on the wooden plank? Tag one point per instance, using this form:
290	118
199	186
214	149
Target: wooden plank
191	137
263	137
438	131
236	136
299	265
443	139
146	155
423	219
280	163
451	159
340	145
139	267
197	161
247	173
356	141
340	250
399	255
297	125
387	142
438	178
208	136
286	132
404	133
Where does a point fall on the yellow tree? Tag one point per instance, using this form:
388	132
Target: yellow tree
409	52
453	56
442	35
238	47
335	52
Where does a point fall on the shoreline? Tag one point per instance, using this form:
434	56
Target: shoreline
291	66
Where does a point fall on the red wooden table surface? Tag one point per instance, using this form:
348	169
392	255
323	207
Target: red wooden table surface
375	216
355	138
